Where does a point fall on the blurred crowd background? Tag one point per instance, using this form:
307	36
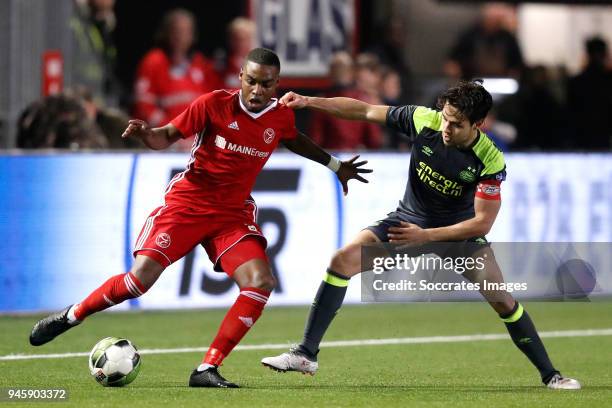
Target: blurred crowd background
548	67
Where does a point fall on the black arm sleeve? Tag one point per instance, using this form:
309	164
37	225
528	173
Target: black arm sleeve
399	118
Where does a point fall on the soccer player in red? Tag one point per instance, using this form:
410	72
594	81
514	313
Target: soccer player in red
210	204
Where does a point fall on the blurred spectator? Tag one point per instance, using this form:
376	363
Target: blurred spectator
503	134
368	77
111	122
58	121
590	99
240	40
391	94
391	86
489	48
538	116
341	71
390	53
333	133
93	52
172	75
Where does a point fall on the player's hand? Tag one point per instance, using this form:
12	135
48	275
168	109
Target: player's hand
350	170
136	128
293	100
407	233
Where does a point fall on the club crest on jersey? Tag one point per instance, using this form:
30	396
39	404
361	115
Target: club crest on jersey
163	240
467	176
268	135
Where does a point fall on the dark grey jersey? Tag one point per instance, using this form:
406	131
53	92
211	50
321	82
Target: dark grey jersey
442	180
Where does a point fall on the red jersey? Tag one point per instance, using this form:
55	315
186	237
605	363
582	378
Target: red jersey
231	146
163	91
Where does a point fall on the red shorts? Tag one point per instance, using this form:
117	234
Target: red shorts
172	231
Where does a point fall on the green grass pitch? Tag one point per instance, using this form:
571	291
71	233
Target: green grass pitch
464	374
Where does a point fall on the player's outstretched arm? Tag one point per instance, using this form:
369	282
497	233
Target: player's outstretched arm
345	170
154	138
485	212
345	108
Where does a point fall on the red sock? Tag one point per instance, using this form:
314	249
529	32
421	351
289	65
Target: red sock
237	322
112	292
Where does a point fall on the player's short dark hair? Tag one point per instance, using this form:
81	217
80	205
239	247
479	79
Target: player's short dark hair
264	56
470	98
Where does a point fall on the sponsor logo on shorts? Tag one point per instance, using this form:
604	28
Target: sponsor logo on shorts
252	228
268	135
163	240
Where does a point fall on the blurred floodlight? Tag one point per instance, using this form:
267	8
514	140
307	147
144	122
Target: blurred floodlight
501	86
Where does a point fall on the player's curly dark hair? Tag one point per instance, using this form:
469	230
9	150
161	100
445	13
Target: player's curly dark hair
264	56
470	98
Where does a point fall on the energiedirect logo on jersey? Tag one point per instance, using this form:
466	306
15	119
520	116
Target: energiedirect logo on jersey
437	181
221	143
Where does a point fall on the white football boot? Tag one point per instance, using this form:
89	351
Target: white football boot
293	360
563	383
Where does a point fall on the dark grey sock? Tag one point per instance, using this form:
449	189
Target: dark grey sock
525	337
328	300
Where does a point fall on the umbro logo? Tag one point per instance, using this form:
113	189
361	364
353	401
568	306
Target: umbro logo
248	321
427	150
233	125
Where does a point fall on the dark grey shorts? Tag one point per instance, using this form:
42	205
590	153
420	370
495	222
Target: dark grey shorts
459	248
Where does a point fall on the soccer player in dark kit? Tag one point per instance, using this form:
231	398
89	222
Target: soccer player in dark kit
210	204
452	195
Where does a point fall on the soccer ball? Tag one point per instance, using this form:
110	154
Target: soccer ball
114	362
